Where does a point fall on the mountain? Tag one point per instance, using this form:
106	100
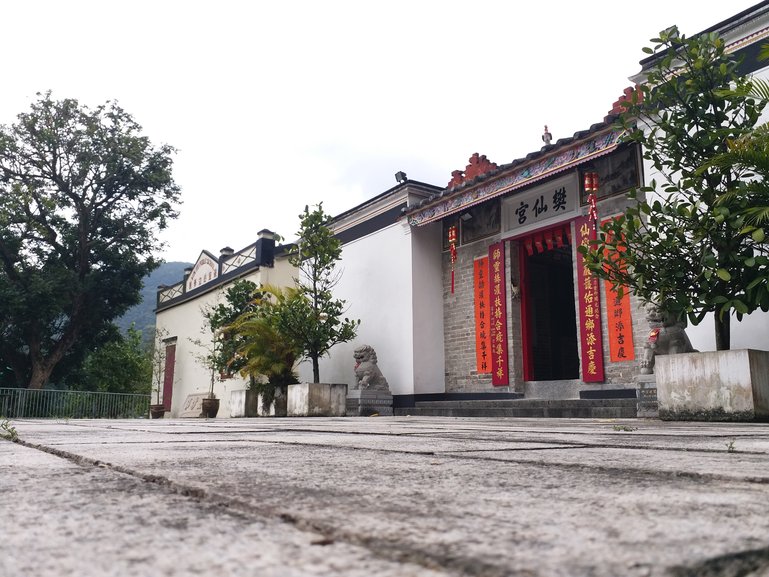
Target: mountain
143	314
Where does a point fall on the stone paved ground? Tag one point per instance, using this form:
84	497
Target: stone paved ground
400	496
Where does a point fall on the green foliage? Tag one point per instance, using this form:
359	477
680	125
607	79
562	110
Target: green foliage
624	428
265	355
82	196
8	431
123	365
687	243
240	298
313	317
221	343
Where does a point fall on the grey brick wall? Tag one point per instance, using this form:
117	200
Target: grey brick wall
459	322
459	326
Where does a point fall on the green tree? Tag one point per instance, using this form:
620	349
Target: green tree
684	243
240	298
312	317
82	195
122	365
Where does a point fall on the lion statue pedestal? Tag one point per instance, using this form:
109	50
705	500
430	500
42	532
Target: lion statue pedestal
667	337
371	394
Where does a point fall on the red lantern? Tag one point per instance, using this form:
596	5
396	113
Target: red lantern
453	233
591	181
591	187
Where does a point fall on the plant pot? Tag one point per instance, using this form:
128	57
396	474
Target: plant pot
157	411
317	400
210	408
278	406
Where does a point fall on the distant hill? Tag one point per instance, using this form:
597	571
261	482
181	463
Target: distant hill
143	314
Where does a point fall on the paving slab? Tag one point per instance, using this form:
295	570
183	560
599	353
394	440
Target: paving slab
386	496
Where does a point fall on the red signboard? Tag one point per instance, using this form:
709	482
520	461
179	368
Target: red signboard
498	311
619	324
589	306
482	316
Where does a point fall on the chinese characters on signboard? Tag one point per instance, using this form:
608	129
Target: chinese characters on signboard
531	209
620	328
498	315
589	307
482	316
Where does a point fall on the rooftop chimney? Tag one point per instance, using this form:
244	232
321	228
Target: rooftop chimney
265	248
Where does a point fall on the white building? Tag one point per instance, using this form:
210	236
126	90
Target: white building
391	281
179	316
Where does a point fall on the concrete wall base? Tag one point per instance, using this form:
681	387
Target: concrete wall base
243	403
317	400
361	403
247	403
648	405
714	386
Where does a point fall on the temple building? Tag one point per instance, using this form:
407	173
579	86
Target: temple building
476	290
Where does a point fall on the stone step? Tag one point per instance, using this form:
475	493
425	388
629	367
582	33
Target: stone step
543	408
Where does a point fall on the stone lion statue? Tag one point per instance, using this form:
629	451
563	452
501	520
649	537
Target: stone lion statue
667	337
368	377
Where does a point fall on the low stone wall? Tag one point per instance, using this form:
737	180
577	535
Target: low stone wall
714	386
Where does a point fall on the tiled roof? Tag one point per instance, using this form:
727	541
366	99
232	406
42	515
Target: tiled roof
597	140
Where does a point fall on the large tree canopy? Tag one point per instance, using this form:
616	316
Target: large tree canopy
82	197
687	242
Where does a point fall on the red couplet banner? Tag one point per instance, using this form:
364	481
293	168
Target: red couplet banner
498	310
589	305
619	323
482	316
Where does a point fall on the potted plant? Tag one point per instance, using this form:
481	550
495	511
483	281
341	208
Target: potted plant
265	355
312	318
210	404
158	357
696	244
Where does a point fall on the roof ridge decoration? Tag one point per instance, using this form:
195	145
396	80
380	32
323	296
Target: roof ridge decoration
625	99
479	165
597	146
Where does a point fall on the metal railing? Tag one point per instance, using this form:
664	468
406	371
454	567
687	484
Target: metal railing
50	404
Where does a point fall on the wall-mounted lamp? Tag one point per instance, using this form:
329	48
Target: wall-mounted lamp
466	216
400	176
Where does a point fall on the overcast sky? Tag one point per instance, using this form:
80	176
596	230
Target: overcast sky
275	105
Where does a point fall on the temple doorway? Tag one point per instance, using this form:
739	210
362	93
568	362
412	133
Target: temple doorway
549	316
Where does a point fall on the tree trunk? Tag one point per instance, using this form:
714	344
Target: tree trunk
723	331
315	370
40	374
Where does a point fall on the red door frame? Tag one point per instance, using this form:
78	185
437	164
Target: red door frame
528	353
168	376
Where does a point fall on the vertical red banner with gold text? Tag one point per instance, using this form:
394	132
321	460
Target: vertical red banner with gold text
498	311
619	323
589	305
482	316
